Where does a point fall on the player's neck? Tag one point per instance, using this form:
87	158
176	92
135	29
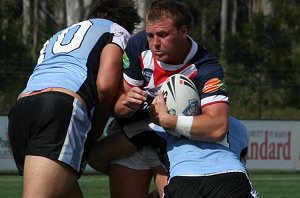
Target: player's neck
184	51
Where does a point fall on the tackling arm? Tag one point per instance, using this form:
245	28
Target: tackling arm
108	80
129	101
211	125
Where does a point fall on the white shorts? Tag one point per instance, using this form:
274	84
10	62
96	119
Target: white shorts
141	160
144	159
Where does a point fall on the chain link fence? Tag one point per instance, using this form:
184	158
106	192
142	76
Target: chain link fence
251	96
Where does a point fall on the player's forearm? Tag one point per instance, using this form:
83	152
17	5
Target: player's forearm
212	124
106	100
120	110
201	127
209	128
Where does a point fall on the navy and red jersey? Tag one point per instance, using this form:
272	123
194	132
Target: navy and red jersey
201	66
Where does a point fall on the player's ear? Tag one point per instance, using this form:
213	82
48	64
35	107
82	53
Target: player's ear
184	30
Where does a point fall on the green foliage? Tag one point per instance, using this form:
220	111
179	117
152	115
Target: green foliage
264	51
16	63
12	53
207	12
11	34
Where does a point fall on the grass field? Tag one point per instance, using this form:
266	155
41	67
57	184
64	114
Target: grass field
269	184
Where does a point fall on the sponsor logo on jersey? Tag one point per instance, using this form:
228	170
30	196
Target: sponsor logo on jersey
125	60
214	85
147	73
118	34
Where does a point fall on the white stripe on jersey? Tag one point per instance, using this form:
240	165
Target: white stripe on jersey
132	82
213	99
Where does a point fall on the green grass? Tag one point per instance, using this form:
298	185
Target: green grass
269	184
94	185
276	184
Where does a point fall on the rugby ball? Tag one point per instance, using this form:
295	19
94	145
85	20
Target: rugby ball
181	96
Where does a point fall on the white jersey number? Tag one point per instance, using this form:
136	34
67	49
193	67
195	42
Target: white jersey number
73	44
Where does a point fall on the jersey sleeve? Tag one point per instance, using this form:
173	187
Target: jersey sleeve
120	35
210	81
132	72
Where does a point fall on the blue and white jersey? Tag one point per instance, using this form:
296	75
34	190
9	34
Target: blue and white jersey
70	58
185	157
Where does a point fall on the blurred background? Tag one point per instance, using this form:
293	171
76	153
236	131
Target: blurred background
257	42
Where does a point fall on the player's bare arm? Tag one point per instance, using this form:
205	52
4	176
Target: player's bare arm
108	80
130	100
211	125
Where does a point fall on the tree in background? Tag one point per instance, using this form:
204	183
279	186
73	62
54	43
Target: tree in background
25	26
11	52
261	53
43	18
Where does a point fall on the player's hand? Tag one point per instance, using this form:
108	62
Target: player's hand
135	98
158	111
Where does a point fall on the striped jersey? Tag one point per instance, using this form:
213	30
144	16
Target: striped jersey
201	66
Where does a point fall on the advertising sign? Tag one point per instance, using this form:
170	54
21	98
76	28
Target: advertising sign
6	157
273	145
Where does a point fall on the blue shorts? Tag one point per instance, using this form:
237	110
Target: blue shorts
53	125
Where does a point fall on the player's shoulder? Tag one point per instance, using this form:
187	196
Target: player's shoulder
138	42
139	36
238	132
98	23
207	64
237	124
204	57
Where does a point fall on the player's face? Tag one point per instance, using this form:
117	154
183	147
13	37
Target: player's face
166	41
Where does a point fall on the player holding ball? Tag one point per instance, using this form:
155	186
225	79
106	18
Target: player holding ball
202	153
